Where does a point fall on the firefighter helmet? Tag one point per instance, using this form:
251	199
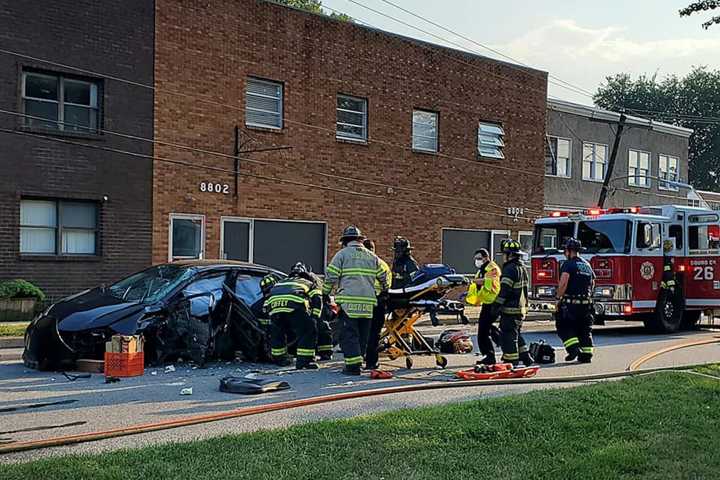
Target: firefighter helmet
267	282
573	244
351	233
401	245
299	270
510	246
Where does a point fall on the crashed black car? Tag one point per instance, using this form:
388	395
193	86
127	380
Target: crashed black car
195	310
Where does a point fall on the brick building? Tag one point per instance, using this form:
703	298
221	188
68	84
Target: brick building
395	135
74	214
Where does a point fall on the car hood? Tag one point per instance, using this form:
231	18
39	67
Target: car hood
94	309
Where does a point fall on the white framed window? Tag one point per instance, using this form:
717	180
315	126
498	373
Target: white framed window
263	104
668	171
50	227
594	161
186	237
491	140
351	118
558	157
638	168
56	102
425	131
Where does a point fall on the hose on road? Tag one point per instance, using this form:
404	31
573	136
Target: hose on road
632	370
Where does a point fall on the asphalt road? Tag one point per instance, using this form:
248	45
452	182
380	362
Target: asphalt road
156	396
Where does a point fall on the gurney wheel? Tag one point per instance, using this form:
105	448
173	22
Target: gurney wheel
441	361
408	362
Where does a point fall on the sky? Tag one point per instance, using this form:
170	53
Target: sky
577	41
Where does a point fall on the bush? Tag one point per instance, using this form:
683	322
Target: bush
20	289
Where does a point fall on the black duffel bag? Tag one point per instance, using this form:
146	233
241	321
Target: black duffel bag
542	352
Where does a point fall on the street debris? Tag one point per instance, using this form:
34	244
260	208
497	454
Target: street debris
169	368
253	386
186	391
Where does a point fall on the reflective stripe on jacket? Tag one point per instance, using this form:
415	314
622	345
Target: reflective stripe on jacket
292	294
491	283
352	273
388	272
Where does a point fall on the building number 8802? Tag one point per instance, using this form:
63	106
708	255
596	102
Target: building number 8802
211	187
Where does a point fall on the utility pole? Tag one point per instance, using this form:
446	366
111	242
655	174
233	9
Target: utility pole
611	163
236	154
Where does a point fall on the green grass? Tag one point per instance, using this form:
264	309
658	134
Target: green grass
13	329
653	427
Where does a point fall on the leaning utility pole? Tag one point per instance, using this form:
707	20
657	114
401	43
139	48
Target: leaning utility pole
611	163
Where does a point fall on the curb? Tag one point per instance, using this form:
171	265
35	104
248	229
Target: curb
11	342
8	355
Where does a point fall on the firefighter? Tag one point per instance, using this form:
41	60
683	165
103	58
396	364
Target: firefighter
379	312
667	283
352	274
404	265
295	304
324	345
266	284
574	319
487	280
511	305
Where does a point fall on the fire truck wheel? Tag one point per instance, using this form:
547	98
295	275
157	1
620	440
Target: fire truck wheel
690	319
667	317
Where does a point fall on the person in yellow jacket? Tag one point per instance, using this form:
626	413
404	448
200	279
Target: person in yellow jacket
379	313
487	280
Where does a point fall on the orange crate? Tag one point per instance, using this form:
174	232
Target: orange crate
124	364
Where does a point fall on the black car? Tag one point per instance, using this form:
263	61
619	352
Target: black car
196	310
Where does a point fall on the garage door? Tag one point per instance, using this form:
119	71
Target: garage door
280	244
459	246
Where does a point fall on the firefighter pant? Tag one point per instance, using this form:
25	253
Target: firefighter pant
353	338
511	340
298	323
574	327
324	338
376	326
485	327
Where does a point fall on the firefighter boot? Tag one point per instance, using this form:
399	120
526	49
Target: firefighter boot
306	363
487	360
352	370
573	352
325	355
282	360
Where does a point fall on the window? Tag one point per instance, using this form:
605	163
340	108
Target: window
425	131
549	238
703	238
459	246
668	171
247	288
676	232
151	285
605	236
594	159
638	169
272	248
557	157
351	118
490	140
187	236
263	104
49	227
647	236
60	103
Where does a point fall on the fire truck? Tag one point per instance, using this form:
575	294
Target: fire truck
625	249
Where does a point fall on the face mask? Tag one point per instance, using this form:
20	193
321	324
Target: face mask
479	263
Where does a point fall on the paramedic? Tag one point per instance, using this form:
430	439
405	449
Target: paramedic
294	304
511	304
574	318
404	265
487	281
379	312
352	274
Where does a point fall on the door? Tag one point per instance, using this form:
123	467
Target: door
235	240
459	247
497	237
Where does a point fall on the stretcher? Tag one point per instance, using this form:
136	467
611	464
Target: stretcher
407	305
494	372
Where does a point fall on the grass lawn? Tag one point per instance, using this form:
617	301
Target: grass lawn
15	329
658	427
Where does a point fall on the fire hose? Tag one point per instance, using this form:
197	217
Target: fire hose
632	370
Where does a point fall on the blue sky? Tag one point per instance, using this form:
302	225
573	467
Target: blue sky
578	41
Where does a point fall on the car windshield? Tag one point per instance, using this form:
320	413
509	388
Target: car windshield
550	237
606	236
151	285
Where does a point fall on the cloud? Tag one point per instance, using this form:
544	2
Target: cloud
584	56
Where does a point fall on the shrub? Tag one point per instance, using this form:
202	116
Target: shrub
20	289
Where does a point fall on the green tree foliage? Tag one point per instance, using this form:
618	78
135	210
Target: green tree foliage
314	6
702	6
692	101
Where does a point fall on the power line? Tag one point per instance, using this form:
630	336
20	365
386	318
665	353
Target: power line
571	87
261	177
249	160
436	155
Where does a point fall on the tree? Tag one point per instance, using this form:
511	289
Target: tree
692	101
702	6
314	6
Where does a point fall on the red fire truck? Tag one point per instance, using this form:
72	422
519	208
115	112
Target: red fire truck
625	249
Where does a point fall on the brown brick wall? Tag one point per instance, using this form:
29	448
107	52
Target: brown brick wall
208	49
